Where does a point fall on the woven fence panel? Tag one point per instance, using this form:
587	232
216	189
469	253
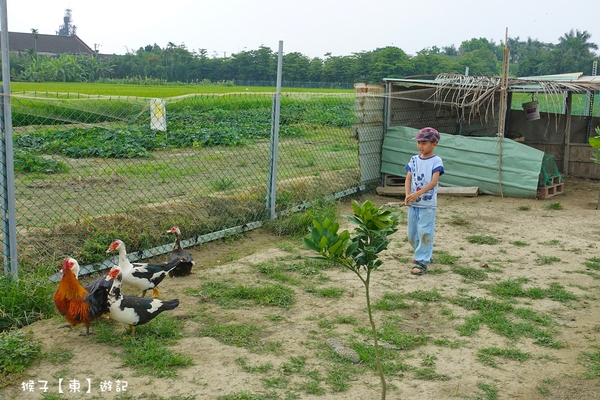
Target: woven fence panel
90	169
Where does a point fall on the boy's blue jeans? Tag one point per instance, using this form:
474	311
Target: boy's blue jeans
421	223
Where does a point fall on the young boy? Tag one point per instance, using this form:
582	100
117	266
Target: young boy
420	187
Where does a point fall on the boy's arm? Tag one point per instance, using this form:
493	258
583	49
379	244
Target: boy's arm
407	184
435	177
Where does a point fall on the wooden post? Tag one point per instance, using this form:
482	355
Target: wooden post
567	141
502	113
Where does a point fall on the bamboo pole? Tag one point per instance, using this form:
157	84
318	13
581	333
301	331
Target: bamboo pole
502	116
567	137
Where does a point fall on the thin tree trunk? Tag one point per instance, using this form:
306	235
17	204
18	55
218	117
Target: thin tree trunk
378	362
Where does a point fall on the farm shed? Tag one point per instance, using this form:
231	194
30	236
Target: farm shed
466	110
47	45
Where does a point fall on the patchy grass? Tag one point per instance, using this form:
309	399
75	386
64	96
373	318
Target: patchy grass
391	361
554	206
147	352
458	221
262	368
425	296
498	316
452	344
331	292
248	336
482	239
444	258
390	302
544	260
429	374
229	295
489	390
519	243
486	355
389	332
514	288
591	361
593	263
470	273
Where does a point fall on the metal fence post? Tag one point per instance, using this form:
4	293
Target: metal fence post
275	138
9	226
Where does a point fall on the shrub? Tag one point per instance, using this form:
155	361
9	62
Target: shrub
17	351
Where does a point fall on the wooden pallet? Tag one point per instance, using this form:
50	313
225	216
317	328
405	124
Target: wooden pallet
556	180
398	191
545	192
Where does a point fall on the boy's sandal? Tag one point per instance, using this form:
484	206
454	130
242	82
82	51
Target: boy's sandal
430	260
421	269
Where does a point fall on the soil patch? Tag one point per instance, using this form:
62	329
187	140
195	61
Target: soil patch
537	245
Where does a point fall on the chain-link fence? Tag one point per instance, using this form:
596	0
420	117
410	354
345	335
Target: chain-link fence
89	169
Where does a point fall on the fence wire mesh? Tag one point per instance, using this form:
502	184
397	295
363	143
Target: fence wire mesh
89	169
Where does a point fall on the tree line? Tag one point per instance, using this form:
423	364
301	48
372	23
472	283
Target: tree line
175	63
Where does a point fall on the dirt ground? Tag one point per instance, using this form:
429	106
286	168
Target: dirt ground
570	234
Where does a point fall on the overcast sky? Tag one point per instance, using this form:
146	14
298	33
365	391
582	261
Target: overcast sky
310	27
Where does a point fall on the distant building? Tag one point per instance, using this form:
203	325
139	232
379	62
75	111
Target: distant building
64	42
47	45
67	29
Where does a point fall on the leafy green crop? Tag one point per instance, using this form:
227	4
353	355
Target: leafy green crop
25	161
92	142
197	121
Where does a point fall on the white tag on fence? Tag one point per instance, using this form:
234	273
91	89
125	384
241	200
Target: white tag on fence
158	115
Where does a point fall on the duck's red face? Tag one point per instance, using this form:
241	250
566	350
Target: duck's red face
114	272
113	246
173	230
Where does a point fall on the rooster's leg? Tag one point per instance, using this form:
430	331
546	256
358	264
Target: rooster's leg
87	331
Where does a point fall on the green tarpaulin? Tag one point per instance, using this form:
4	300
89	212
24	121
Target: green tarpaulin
470	161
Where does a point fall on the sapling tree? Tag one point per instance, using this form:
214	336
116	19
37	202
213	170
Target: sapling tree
358	252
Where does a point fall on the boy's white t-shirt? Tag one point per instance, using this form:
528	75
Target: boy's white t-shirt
422	170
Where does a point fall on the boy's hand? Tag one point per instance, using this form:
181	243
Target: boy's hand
411	198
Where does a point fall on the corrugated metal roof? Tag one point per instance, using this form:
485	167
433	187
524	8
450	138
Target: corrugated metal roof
573	76
575	81
412	81
47	44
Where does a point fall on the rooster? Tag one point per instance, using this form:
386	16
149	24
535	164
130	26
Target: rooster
74	302
186	261
144	276
132	310
97	290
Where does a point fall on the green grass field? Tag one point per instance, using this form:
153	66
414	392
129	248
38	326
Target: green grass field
547	103
161	91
